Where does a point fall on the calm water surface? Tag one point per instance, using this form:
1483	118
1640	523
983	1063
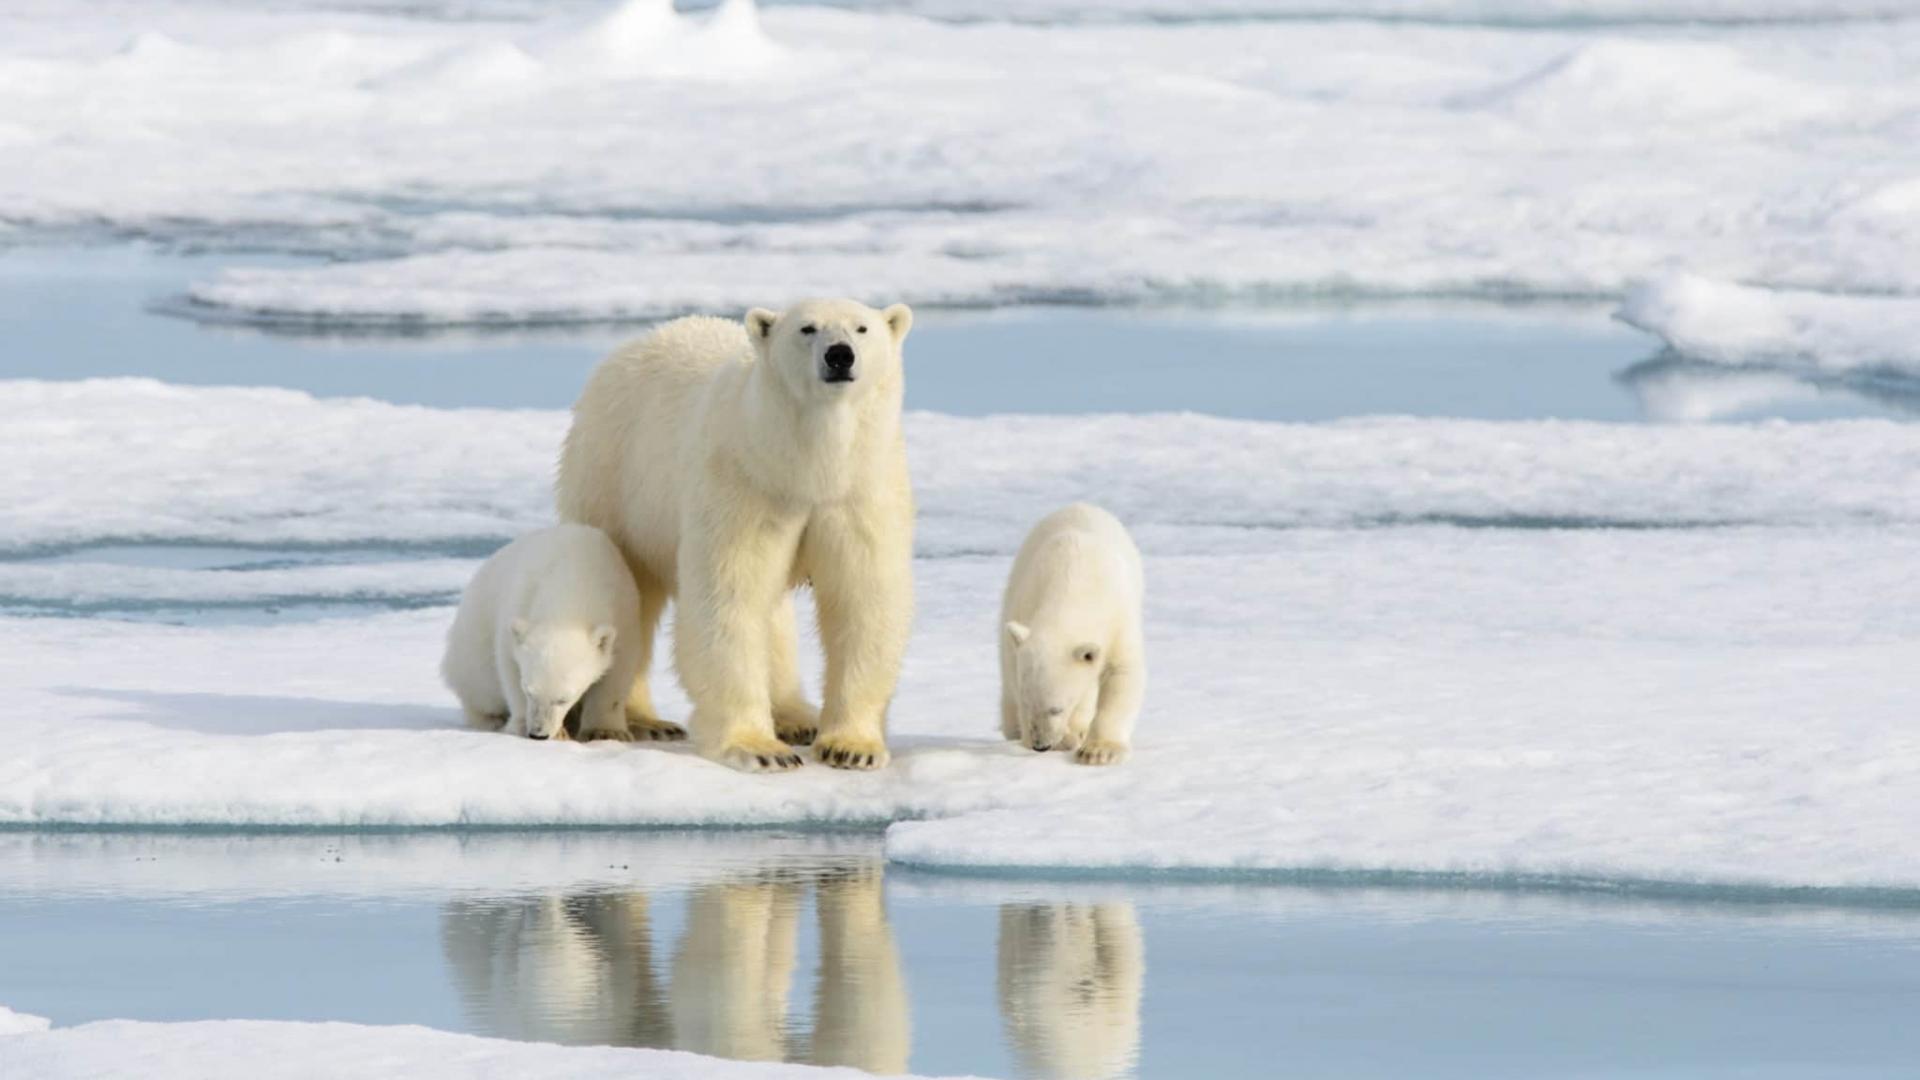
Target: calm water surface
806	947
92	312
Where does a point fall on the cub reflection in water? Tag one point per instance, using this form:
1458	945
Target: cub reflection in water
1070	979
580	969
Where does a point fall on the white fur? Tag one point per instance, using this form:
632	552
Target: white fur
549	620
1072	660
729	471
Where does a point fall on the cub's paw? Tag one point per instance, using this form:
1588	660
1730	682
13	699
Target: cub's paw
758	755
609	734
1100	752
653	729
797	724
851	751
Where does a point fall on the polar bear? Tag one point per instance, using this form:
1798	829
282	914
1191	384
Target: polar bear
1072	660
548	622
732	463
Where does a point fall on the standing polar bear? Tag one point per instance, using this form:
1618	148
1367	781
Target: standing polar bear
1072	659
548	622
731	464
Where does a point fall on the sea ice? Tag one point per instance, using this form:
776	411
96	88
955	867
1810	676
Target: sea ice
248	1049
1740	325
528	163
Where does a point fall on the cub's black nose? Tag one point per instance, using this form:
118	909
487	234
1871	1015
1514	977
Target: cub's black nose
839	357
541	738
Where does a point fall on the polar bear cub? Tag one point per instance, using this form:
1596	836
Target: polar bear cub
548	622
1072	660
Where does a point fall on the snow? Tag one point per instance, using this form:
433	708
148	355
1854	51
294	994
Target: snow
1739	325
526	163
1367	651
246	1049
1366	654
13	1023
116	460
1519	12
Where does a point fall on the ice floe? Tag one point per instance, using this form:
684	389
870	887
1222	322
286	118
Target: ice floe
248	1049
118	460
1740	325
521	164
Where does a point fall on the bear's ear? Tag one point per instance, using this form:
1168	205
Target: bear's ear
899	320
520	628
1018	633
603	639
760	329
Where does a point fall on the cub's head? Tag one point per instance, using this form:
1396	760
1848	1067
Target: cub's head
558	663
1052	674
830	348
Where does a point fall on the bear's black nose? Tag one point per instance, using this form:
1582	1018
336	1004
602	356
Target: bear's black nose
839	357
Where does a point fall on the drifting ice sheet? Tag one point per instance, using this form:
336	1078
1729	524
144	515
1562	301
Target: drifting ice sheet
1711	706
249	1049
128	459
511	170
1738	325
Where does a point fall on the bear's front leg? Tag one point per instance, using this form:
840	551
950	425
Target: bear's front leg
861	563
734	563
1110	736
603	708
507	670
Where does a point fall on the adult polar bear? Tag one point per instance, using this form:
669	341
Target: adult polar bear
730	464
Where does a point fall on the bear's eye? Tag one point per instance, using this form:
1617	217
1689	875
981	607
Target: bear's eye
1085	656
862	329
808	329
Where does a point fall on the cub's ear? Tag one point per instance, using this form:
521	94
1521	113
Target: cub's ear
520	628
760	329
1018	633
603	639
899	320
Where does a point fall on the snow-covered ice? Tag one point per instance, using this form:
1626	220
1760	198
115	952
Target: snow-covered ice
113	460
248	1049
527	163
1739	325
1367	653
13	1023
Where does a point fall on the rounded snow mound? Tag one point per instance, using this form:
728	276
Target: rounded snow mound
1658	84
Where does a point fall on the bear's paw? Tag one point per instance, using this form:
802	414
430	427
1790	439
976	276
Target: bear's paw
797	724
1101	752
653	729
758	754
851	751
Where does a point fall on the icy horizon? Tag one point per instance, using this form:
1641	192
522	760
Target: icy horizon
583	164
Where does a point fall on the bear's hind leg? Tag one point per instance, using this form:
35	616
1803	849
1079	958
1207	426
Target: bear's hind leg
643	721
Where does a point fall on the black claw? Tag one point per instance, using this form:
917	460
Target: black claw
763	761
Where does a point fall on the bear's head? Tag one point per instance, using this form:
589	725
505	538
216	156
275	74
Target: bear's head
558	663
831	349
1052	675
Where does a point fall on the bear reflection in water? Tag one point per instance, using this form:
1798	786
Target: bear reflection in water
581	970
1070	980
